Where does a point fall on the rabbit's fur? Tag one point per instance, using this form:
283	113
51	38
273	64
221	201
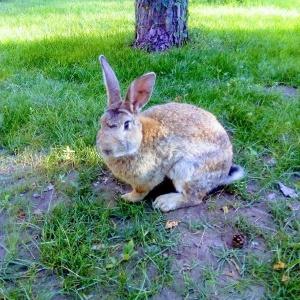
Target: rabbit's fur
179	141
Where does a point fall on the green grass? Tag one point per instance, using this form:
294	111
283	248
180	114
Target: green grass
96	249
52	96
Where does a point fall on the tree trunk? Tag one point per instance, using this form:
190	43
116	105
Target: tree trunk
160	24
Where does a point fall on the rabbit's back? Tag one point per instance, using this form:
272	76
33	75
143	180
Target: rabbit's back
189	122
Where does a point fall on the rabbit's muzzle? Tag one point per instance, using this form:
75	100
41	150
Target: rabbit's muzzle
107	152
109	146
106	149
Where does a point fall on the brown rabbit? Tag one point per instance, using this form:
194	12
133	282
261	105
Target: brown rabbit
179	141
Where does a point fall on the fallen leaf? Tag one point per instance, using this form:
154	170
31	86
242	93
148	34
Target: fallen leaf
186	267
285	278
287	191
178	98
50	187
279	265
236	265
171	224
68	150
225	209
21	216
231	273
68	153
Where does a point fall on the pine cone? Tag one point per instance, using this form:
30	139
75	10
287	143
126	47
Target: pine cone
238	241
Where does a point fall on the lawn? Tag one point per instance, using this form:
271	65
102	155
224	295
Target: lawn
64	231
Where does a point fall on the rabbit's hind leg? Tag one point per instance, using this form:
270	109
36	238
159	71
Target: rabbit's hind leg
189	191
174	201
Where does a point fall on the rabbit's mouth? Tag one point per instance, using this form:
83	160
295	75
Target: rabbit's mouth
128	150
107	153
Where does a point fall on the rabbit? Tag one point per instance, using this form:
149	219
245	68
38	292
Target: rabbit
175	140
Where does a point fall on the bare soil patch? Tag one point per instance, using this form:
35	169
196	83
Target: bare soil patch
288	91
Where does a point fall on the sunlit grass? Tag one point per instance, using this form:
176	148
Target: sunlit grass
34	20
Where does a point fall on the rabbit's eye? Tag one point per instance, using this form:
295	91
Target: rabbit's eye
127	125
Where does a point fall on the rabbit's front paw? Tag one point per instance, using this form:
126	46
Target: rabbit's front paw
133	196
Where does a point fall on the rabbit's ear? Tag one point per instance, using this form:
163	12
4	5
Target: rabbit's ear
139	92
111	82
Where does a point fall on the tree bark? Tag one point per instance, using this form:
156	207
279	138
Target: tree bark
160	24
